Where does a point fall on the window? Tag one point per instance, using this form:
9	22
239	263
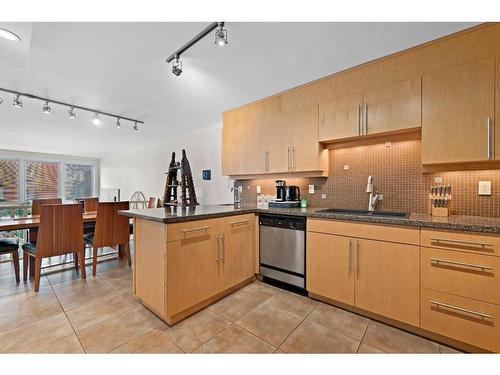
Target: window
9	181
41	179
78	181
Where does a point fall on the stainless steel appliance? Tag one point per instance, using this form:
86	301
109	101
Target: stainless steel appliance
283	248
292	193
280	190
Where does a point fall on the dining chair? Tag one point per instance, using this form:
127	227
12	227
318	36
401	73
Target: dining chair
111	229
60	232
35	211
11	246
89	205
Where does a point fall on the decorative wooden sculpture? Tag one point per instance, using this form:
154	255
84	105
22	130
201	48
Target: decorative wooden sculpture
188	194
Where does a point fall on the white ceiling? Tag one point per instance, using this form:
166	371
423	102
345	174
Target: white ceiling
120	68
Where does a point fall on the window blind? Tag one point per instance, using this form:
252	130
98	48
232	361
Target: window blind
41	179
9	181
78	181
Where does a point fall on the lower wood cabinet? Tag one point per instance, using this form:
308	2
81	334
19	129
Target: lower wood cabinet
377	276
180	268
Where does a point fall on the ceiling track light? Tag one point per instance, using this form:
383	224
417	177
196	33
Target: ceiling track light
18	103
71	113
46	107
220	39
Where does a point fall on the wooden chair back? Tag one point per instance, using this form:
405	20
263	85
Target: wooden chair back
60	230
111	229
37	203
152	202
89	204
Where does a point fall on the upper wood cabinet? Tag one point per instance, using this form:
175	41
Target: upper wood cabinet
458	108
392	107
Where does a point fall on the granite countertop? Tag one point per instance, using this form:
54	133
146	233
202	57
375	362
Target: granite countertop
177	214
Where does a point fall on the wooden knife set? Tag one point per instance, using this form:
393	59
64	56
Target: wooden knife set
440	200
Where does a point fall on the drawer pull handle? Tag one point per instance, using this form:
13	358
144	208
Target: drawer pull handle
461	309
482	244
195	230
444	261
237	223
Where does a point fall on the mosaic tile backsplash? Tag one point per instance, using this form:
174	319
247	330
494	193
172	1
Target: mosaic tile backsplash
397	175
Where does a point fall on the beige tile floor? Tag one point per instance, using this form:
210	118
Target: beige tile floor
100	315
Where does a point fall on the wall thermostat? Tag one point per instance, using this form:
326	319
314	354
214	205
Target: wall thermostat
206	174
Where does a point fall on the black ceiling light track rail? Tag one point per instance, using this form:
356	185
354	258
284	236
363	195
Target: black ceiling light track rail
74	106
195	40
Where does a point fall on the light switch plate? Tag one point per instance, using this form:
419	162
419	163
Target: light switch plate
311	189
484	188
258	189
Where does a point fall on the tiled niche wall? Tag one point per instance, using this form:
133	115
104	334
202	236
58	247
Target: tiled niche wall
397	175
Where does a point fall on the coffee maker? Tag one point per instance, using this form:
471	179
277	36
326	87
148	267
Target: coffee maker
280	190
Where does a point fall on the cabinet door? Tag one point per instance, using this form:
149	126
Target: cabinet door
233	141
456	106
330	267
192	271
387	280
305	143
238	251
340	118
496	147
278	141
393	107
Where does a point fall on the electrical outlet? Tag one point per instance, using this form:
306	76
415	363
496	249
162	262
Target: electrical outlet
258	189
438	180
380	197
311	189
484	188
346	167
323	196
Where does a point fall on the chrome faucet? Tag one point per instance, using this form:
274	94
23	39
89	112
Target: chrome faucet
373	198
237	195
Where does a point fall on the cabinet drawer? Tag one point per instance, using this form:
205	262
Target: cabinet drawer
473	322
478	243
391	233
464	274
240	221
194	229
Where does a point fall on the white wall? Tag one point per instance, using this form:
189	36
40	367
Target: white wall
143	168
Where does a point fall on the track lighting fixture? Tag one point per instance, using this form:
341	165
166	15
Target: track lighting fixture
220	39
177	66
46	107
96	121
17	102
71	113
9	35
221	35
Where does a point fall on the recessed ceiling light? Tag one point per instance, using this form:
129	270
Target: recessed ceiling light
9	35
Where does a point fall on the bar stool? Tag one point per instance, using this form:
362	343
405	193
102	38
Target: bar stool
11	245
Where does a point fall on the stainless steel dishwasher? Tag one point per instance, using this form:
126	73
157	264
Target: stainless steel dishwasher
282	249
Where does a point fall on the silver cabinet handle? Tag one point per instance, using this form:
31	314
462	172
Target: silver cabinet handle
289	163
350	256
186	231
461	309
366	118
475	243
357	257
453	262
266	161
223	239
293	158
488	127
217	258
359	119
237	223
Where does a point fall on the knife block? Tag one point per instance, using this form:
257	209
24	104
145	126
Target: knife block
440	211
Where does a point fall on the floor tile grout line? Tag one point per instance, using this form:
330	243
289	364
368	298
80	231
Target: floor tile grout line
211	338
66	315
363	337
302	321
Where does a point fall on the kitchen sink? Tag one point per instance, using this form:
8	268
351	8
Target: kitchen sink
344	211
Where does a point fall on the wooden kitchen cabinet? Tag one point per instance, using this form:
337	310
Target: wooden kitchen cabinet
457	105
330	263
340	118
387	280
234	147
238	250
392	107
